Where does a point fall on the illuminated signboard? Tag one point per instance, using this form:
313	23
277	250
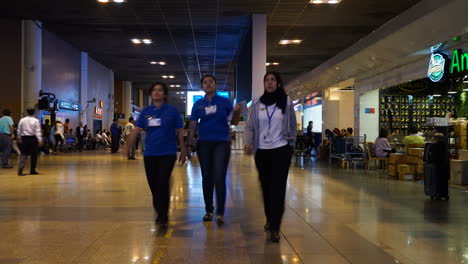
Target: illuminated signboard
69	106
97	112
440	64
312	100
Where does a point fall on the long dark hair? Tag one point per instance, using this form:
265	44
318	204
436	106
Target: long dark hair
163	85
279	96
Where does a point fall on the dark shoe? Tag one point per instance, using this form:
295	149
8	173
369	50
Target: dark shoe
131	158
162	223
267	227
220	220
274	237
34	173
208	217
7	167
20	173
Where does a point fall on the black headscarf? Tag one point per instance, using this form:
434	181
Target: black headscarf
279	97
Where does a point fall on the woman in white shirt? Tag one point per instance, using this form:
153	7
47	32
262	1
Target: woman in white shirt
270	134
59	134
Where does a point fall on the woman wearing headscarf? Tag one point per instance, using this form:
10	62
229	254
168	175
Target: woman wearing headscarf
270	134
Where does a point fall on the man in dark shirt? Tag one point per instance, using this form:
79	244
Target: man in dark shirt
45	136
80	134
116	130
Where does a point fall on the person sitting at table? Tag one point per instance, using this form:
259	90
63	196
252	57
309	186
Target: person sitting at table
413	138
382	147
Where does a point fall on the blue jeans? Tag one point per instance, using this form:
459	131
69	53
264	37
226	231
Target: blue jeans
6	148
214	160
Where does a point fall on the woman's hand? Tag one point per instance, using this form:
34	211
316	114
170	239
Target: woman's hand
248	149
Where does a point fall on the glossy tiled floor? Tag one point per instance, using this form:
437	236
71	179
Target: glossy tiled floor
96	208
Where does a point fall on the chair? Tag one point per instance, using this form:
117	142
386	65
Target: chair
371	156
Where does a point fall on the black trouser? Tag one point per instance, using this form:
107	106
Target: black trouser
29	147
273	168
58	138
80	143
115	143
214	160
158	173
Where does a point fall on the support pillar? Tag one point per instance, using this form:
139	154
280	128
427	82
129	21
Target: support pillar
127	97
259	53
32	63
86	112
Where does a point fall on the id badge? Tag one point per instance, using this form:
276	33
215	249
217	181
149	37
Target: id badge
209	110
154	122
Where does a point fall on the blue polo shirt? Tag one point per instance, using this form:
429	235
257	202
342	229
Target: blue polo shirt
115	130
5	123
212	126
161	126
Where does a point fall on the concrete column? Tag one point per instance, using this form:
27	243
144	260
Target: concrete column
127	97
140	98
32	63
259	53
85	117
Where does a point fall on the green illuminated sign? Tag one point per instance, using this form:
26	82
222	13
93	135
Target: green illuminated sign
459	61
436	69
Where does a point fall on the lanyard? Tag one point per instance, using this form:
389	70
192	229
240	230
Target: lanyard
270	116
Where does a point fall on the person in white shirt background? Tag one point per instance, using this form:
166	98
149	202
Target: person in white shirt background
128	129
30	139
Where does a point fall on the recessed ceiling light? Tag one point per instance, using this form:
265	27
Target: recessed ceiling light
153	62
103	1
185	101
171	76
136	41
172	85
147	41
119	1
333	1
275	63
164	76
437	95
177	85
452	92
162	63
267	64
290	41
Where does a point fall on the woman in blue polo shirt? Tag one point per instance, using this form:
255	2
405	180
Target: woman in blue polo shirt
163	126
212	115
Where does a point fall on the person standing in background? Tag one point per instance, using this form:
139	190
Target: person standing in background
6	137
128	129
66	126
30	138
116	131
59	134
45	137
80	134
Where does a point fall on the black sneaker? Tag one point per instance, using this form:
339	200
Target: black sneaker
220	220
20	173
34	173
208	217
267	227
274	237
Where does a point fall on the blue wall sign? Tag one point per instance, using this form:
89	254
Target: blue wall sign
69	106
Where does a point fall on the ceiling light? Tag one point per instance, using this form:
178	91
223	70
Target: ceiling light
267	64
103	1
177	85
275	63
171	76
153	62
288	41
147	41
162	63
164	76
333	2
136	41
316	2
118	1
172	85
452	92
437	95
185	101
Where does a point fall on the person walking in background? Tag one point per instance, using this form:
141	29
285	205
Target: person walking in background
270	133
6	137
45	128
163	125
116	132
310	138
80	135
212	115
59	134
128	129
66	126
29	131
